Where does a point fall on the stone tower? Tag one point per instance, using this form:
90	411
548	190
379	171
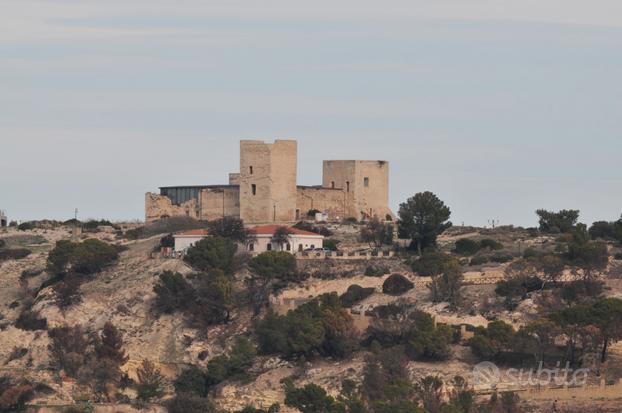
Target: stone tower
366	184
267	181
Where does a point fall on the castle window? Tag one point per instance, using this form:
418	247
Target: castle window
269	247
288	247
254	189
348	186
332	184
251	247
366	181
250	169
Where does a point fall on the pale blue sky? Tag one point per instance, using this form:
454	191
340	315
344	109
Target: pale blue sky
499	107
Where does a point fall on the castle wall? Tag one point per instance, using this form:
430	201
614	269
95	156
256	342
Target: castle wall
268	181
334	202
159	206
219	202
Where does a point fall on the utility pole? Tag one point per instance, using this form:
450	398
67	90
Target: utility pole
493	222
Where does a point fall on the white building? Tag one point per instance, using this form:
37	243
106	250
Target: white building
186	239
259	241
299	240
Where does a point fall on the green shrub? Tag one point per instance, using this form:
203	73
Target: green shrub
491	244
479	260
466	246
530	253
432	263
27	226
229	227
396	284
173	293
14	254
331	244
189	403
29	320
376	270
212	253
320	326
354	294
88	257
501	257
279	265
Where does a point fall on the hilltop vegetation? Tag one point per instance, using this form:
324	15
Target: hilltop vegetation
221	330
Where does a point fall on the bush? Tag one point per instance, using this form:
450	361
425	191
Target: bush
167	241
173	293
14	254
501	257
479	260
318	229
376	270
88	257
491	244
165	226
68	291
530	253
320	326
331	244
396	284
27	226
556	222
189	403
354	294
150	383
618	256
279	265
68	348
432	263
466	246
212	253
228	227
29	320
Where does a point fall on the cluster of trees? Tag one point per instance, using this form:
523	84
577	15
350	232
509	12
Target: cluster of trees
70	263
413	331
468	246
385	388
446	273
586	328
377	233
194	384
93	359
319	327
537	270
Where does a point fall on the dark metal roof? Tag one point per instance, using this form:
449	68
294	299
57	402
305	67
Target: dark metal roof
199	186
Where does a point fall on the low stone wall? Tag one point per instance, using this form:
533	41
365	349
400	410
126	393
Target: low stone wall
339	255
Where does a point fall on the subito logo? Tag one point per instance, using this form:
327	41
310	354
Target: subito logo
486	373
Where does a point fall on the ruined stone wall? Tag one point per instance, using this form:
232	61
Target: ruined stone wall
158	206
216	203
334	202
268	181
366	182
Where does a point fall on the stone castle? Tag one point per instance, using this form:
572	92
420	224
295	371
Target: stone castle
265	190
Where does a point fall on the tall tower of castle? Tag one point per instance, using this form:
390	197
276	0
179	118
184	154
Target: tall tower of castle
267	180
366	184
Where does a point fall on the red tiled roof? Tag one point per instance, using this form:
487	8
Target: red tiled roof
271	229
194	232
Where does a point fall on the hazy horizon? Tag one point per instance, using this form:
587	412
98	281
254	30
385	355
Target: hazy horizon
500	108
